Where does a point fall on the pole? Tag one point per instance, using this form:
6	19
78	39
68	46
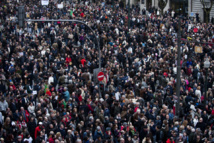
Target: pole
129	14
205	96
112	2
178	67
183	7
77	21
98	44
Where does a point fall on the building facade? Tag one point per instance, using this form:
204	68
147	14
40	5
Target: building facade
188	7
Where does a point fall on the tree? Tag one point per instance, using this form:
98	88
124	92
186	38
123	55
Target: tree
207	6
162	4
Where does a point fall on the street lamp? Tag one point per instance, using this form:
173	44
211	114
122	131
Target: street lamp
206	66
207	7
128	14
178	81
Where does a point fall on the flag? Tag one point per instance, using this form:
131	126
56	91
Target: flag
72	14
46	87
48	92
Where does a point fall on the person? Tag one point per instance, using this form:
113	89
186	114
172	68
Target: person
40	138
31	109
28	138
51	137
98	133
3	106
38	129
19	139
66	94
173	13
32	127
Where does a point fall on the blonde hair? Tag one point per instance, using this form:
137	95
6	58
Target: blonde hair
58	134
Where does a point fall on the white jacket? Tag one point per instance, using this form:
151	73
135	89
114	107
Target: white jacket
198	94
50	80
31	109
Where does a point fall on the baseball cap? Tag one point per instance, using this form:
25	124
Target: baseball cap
98	127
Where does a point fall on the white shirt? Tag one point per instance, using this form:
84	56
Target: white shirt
130	49
43	52
3	105
173	13
50	80
198	93
31	109
195	121
175	70
30	140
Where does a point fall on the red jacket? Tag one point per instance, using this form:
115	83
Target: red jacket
37	130
212	113
68	60
168	141
135	110
82	14
51	140
83	62
13	86
80	98
90	108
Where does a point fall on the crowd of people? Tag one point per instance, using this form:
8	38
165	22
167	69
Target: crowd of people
49	92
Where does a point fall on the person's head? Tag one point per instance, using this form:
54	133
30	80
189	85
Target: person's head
51	126
46	119
79	141
58	135
51	133
199	88
69	132
65	89
22	108
198	138
98	128
41	133
40	124
7	120
31	104
61	126
19	138
122	140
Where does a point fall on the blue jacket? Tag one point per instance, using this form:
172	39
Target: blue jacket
66	96
98	134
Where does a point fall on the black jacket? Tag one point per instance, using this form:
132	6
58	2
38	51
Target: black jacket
31	127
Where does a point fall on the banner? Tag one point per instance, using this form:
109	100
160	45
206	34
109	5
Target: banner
45	2
192	14
198	49
60	6
43	18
